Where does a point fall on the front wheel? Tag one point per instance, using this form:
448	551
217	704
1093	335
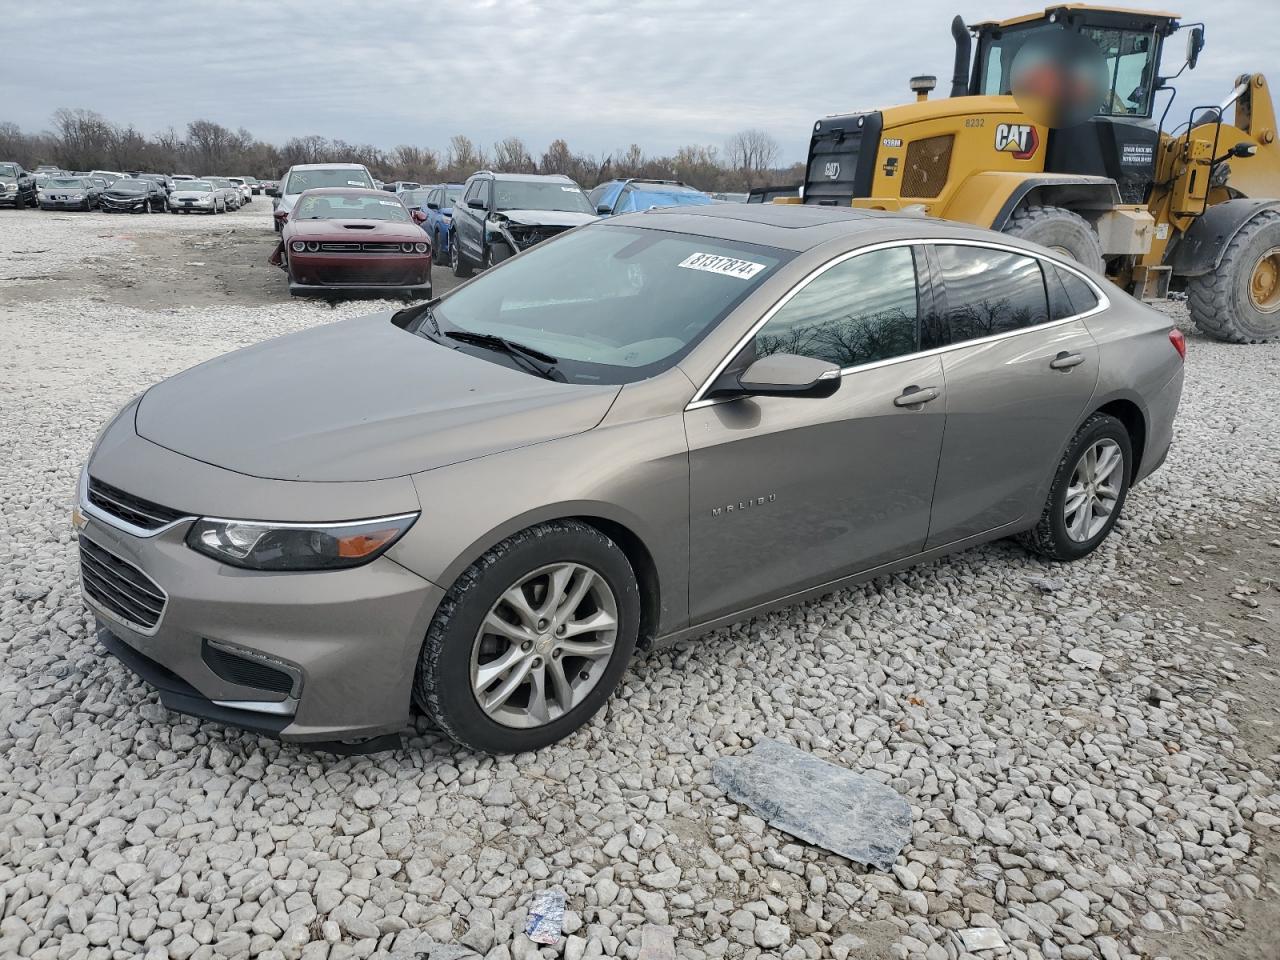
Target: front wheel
1088	491
457	262
531	640
1239	302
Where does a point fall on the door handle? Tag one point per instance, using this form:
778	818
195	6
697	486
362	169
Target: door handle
915	396
1065	361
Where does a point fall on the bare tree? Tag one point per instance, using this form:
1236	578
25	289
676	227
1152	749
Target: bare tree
464	157
512	156
753	153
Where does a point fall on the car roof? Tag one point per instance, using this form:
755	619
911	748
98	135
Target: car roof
328	166
331	191
793	226
532	177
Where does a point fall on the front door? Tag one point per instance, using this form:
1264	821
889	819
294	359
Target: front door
788	493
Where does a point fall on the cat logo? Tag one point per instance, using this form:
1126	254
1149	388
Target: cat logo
832	170
1019	139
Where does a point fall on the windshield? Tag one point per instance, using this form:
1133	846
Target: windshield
66	182
414	198
452	196
8	169
613	304
129	186
1128	55
540	195
300	180
194	186
350	207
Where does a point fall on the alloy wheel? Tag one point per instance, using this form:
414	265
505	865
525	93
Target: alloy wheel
1094	490
544	645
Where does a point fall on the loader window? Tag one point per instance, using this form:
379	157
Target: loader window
1129	56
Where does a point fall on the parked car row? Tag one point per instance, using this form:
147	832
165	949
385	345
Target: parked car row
110	191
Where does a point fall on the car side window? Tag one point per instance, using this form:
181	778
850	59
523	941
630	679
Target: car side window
986	292
859	311
473	192
596	196
625	202
1069	296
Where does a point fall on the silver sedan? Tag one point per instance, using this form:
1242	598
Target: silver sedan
623	437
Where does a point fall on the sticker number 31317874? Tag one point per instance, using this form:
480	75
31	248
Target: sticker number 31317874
725	266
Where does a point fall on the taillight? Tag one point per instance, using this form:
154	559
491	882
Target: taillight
1179	341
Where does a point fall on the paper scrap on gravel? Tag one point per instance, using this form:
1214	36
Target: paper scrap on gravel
546	917
818	802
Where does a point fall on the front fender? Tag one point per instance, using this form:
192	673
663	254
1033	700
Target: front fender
1200	249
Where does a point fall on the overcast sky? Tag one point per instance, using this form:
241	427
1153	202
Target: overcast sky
601	73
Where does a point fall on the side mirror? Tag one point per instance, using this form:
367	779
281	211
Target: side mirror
785	375
432	206
1195	43
476	204
604	209
419	216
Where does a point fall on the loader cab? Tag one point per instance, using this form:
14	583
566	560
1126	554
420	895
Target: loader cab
1120	140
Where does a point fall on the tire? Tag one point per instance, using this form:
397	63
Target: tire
1224	303
435	246
1052	536
443	681
461	269
492	259
1060	230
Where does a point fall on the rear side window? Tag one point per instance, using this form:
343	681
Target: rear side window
986	293
860	311
1069	296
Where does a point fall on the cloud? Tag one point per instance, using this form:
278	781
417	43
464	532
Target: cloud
599	73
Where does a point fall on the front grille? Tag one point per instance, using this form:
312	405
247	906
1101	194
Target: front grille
246	671
131	509
369	274
928	161
528	236
120	587
361	248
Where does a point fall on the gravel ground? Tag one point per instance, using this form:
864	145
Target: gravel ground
1090	751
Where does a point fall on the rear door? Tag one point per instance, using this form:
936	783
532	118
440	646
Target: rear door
468	222
1018	379
788	493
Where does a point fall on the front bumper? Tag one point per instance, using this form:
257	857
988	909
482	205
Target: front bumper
15	200
365	274
345	642
123	206
64	204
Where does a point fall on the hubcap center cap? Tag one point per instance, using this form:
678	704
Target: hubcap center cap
544	642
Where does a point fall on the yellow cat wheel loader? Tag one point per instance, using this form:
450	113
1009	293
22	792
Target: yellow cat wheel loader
1195	207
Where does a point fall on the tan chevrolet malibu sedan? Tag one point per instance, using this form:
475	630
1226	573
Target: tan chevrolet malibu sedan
642	429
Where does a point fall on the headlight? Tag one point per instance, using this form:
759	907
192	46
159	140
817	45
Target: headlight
8	186
296	546
406	248
422	247
298	246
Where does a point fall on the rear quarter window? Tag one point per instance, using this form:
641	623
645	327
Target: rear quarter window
1069	296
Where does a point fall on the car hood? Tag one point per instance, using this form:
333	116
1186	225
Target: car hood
6	178
548	218
192	194
358	400
355	230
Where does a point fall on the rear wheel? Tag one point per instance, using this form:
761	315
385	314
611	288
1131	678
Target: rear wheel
1061	231
458	263
1239	302
531	640
1088	491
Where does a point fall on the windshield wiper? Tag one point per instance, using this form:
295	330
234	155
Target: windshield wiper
540	363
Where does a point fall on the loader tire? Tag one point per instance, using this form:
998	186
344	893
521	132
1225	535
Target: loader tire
1060	230
1239	302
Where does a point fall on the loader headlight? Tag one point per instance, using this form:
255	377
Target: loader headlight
257	545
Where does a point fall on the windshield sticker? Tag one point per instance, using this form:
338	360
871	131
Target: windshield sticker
569	189
355	183
725	266
391	203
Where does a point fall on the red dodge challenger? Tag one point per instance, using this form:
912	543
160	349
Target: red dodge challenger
343	240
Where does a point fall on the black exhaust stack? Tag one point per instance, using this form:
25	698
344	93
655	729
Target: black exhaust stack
964	46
